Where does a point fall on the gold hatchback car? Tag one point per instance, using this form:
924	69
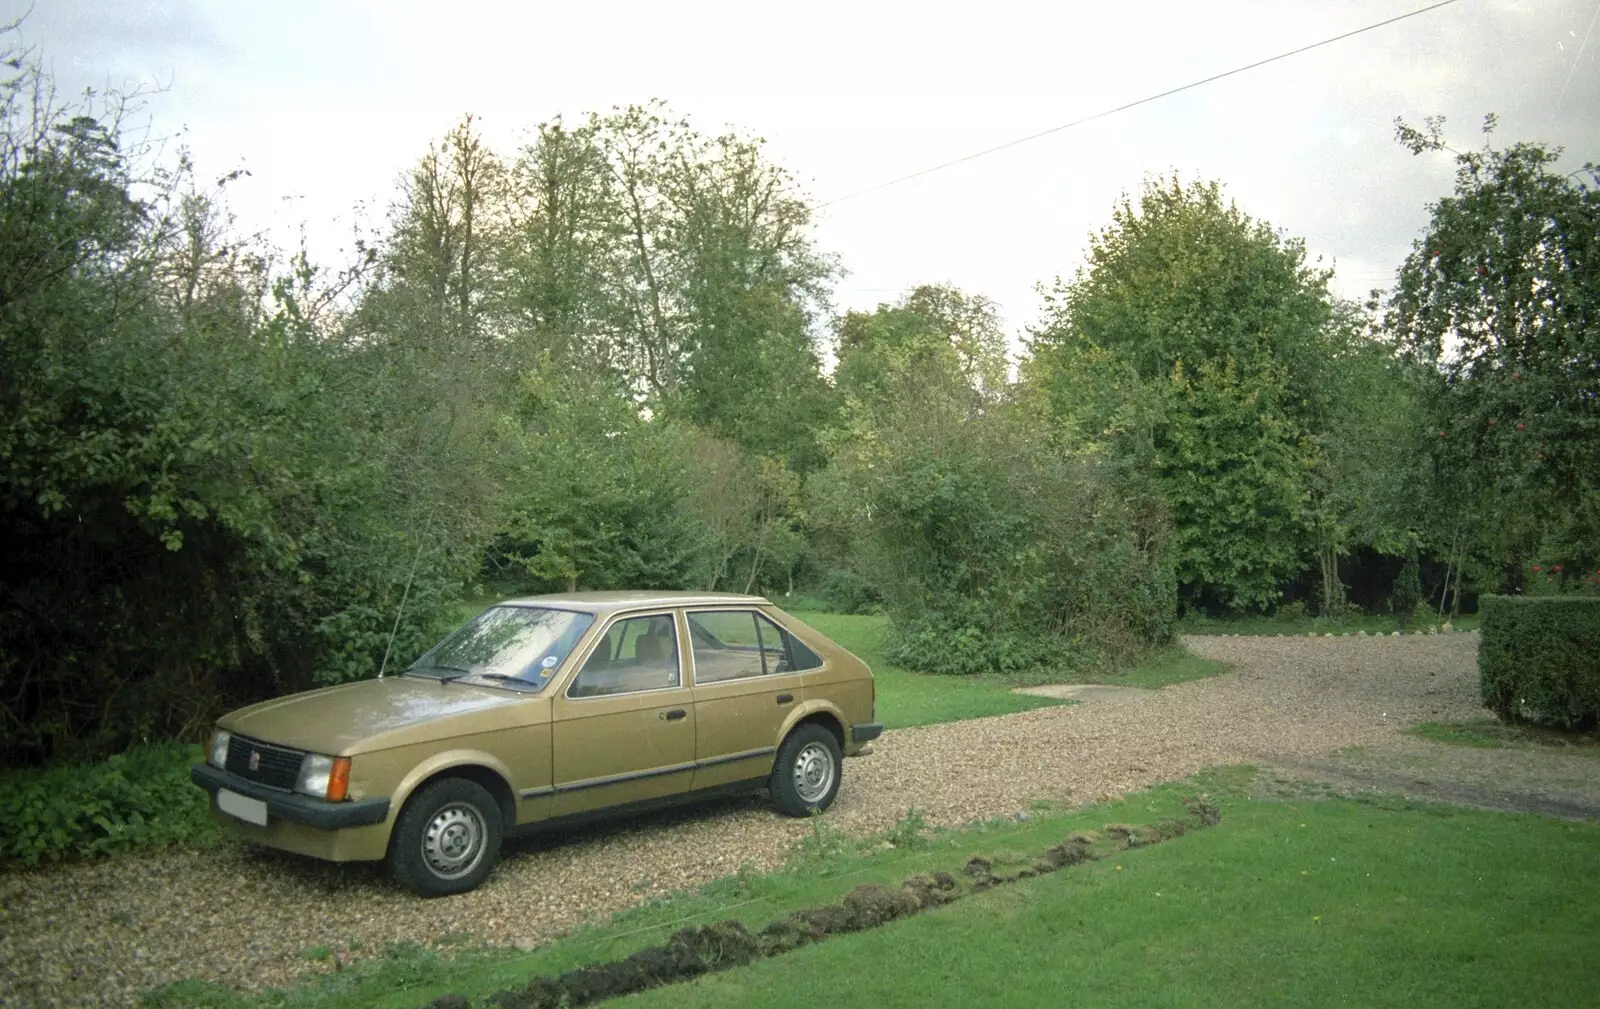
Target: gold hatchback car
540	712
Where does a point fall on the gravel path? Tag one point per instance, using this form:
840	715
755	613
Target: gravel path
98	933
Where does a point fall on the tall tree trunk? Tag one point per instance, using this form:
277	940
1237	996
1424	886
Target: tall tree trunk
755	569
1332	587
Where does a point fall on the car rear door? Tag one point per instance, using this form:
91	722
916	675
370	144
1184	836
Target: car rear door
623	730
743	693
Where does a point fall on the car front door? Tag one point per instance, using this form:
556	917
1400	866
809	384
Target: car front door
623	730
744	690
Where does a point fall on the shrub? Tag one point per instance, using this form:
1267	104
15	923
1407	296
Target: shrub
139	799
1539	659
960	641
846	591
1407	591
998	552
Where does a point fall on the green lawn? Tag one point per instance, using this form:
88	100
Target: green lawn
1490	733
1160	669
1332	903
906	698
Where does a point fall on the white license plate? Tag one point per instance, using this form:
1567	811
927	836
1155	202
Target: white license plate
245	808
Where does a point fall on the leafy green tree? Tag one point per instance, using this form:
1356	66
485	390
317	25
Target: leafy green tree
1498	303
936	335
1194	343
561	250
684	264
444	242
937	347
597	496
1369	484
750	508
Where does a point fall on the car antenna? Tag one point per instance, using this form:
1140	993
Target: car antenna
397	613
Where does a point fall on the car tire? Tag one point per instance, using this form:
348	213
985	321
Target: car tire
805	778
446	838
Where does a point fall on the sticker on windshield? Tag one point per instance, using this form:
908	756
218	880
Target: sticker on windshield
548	665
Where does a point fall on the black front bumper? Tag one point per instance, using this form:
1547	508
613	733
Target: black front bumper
319	813
866	732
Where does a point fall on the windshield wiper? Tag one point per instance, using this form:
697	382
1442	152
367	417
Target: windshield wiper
431	670
459	673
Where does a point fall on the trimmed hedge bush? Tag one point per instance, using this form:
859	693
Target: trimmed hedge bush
139	799
1539	659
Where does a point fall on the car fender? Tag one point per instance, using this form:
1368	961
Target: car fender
444	761
808	708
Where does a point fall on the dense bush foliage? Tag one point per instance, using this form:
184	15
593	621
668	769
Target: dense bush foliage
138	799
999	553
1539	659
209	490
994	548
848	591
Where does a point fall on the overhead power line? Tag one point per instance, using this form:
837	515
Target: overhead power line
1578	58
1134	104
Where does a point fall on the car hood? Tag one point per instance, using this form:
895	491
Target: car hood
371	714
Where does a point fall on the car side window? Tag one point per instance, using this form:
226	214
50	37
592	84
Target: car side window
636	653
727	646
736	644
784	652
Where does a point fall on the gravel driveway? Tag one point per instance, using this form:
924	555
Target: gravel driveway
98	933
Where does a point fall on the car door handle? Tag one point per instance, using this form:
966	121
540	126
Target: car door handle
674	714
785	698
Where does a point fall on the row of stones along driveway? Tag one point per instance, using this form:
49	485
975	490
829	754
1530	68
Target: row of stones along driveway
99	933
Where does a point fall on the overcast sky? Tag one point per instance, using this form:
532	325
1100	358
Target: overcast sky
326	103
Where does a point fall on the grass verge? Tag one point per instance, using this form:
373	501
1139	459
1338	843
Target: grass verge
1161	668
1298	625
1489	733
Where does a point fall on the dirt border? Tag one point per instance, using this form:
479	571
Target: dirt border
706	949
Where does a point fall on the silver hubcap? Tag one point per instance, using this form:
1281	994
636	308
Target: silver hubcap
453	843
813	772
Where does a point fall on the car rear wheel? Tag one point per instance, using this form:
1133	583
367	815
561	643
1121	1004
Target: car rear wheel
446	839
805	778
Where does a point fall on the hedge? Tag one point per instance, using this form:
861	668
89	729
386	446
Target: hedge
1539	659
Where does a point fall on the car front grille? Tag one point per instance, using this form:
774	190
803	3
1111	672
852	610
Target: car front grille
273	766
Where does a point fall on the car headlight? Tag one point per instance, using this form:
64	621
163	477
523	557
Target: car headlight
219	748
324	777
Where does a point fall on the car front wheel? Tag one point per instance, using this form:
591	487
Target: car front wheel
805	778
447	838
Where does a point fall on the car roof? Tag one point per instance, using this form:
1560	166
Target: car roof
608	602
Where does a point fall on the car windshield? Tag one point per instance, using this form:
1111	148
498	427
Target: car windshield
521	645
